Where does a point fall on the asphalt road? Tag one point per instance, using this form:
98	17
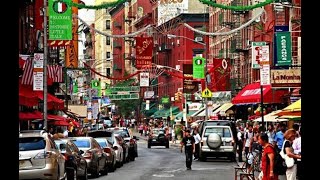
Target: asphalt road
161	163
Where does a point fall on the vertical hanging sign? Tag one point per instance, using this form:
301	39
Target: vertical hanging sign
60	20
144	48
38	72
284	53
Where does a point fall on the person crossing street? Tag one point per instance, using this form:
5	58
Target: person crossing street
188	142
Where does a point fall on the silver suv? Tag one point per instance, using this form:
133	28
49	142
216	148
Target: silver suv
217	141
39	157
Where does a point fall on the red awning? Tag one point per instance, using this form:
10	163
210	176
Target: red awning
27	97
251	94
59	123
53	102
30	115
56	117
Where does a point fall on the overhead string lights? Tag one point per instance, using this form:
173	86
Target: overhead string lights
236	8
104	5
228	32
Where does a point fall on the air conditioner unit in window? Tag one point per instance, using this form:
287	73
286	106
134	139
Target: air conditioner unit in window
198	39
178	42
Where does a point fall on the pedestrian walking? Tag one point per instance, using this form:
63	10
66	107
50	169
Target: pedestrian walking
297	150
240	140
248	139
197	140
290	136
278	139
188	143
173	133
267	159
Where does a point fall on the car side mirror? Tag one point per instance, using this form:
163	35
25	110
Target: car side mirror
81	152
62	147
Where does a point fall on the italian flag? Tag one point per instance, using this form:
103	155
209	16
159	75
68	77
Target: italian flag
60	7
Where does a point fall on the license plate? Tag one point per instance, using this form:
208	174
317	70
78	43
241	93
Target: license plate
154	140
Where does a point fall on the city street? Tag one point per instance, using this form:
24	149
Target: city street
161	163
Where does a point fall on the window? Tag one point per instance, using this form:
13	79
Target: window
108	71
223	132
31	143
82	143
108	55
107	24
197	36
108	40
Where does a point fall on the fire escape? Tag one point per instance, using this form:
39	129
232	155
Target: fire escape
239	44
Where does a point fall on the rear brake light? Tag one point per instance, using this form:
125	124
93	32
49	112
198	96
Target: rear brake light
88	155
43	155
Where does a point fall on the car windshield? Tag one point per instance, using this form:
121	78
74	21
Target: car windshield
223	132
157	131
102	143
82	143
31	143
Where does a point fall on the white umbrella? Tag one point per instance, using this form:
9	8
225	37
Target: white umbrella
271	117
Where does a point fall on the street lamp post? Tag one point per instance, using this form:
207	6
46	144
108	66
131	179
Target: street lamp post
45	58
206	67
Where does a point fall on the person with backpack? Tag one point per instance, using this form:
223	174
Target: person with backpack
267	159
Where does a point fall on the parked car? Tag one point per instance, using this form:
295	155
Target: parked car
157	137
39	156
130	140
93	153
124	146
217	141
110	153
75	163
109	134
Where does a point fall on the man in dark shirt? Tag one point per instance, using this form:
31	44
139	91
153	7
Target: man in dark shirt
188	143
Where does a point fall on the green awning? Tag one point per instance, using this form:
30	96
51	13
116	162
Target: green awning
164	113
151	111
180	115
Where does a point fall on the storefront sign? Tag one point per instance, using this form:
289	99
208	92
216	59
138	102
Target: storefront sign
194	106
144	79
283	49
144	48
60	20
189	85
286	77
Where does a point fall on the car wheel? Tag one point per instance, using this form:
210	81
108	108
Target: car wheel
167	145
85	176
149	145
203	158
112	168
96	173
72	174
232	157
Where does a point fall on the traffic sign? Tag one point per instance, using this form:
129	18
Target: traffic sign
206	93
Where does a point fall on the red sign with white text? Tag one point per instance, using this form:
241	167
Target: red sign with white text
144	47
220	75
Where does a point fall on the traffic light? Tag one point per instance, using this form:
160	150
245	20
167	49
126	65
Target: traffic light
176	96
180	95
